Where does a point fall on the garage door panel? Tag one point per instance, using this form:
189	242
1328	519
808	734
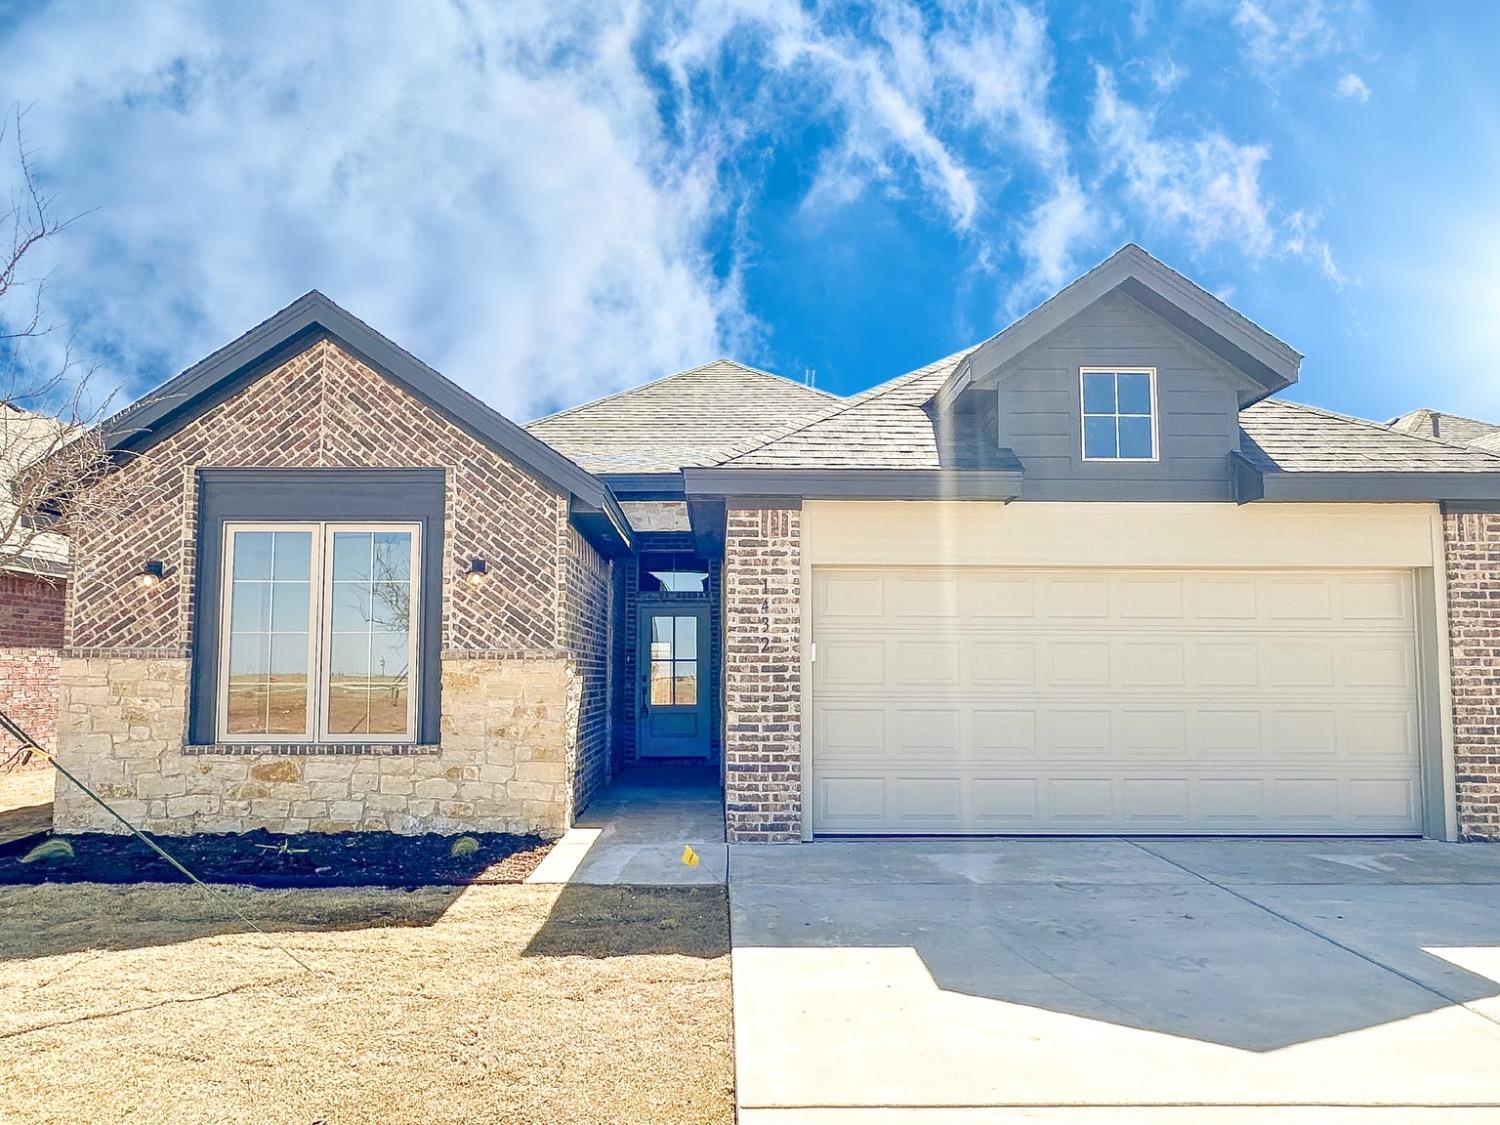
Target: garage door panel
926	663
1012	700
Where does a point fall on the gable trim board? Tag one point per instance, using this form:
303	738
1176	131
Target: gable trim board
312	318
1267	362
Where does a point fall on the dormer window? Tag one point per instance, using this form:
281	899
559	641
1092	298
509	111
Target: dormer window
1119	413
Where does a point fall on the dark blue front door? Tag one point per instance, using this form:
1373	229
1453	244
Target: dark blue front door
672	702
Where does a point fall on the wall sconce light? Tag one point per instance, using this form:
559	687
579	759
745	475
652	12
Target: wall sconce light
477	573
151	574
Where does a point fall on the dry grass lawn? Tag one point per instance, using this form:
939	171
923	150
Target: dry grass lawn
491	1004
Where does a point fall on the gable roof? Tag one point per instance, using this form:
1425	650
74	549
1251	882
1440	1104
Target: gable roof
1269	364
314	317
702	416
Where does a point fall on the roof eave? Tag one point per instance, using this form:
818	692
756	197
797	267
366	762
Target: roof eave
1253	484
854	484
312	317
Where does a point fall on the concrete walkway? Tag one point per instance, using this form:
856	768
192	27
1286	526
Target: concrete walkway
958	982
635	832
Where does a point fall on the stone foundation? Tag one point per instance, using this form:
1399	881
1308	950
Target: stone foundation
502	765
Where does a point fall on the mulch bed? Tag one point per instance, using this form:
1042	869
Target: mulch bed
265	859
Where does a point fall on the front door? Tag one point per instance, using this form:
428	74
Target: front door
673	698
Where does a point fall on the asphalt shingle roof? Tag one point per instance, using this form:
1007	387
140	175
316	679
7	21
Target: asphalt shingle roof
884	427
1278	436
1453	428
696	418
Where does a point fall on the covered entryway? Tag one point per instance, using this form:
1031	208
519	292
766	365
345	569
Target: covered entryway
1009	699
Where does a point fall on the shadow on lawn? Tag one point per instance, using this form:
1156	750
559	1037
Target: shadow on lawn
56	919
625	921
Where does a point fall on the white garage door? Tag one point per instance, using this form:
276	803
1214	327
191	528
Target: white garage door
1007	700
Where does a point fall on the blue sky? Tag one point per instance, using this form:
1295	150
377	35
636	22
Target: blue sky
549	201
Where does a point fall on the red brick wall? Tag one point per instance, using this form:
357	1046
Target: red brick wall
1473	559
763	675
31	635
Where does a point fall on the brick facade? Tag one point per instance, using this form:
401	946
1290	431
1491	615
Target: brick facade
1472	542
763	675
31	637
524	696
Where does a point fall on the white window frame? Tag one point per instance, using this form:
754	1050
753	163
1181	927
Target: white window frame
1150	373
319	632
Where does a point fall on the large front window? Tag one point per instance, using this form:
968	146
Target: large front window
320	628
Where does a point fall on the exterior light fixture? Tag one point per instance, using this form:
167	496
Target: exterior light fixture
477	573
151	574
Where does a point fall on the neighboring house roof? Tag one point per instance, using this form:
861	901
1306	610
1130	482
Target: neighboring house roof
702	416
312	317
26	437
1268	364
1447	427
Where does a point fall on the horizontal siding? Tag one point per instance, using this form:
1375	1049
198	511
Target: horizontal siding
1197	405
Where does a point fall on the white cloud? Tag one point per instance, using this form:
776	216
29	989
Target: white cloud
1281	34
1353	87
1206	186
1302	240
503	189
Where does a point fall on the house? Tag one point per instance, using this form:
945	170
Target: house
1453	428
33	581
1091	575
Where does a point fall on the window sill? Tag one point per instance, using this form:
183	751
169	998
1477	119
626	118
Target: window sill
313	749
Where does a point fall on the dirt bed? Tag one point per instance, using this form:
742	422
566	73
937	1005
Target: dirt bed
263	859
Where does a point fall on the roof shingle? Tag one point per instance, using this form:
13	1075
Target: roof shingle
1289	437
693	419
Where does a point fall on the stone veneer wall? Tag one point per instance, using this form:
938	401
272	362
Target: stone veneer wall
31	637
763	675
519	683
1472	541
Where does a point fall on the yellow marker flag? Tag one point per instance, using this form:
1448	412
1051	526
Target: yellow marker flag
689	856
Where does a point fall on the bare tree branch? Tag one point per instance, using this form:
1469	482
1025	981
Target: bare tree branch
52	460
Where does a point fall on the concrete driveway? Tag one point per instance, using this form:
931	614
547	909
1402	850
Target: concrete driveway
1114	980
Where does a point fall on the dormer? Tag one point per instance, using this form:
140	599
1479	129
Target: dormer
1126	385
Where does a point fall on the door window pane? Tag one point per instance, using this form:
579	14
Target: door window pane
661	638
661	683
686	646
685	681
